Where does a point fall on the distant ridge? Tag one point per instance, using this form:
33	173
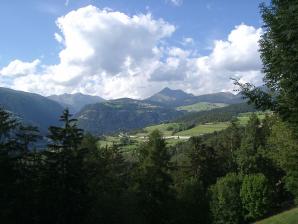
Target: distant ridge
122	115
75	102
31	108
175	98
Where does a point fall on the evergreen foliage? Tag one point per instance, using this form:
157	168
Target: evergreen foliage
225	202
255	196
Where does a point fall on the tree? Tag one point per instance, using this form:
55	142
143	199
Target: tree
284	152
279	54
203	162
153	180
255	196
8	127
64	183
27	135
192	203
225	204
106	173
247	156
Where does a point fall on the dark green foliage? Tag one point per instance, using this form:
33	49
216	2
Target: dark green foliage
32	109
226	207
107	183
7	173
247	156
64	178
284	151
74	180
216	115
203	162
122	115
192	206
153	180
255	195
279	53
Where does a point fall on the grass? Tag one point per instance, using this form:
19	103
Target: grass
165	130
162	128
287	217
244	117
202	106
204	129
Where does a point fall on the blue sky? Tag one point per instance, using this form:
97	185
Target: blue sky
28	28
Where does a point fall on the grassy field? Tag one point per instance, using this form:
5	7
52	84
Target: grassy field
244	117
202	106
204	129
167	130
288	217
163	128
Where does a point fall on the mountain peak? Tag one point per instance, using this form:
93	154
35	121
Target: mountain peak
76	101
174	92
170	97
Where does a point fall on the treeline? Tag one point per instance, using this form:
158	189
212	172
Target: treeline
216	115
235	176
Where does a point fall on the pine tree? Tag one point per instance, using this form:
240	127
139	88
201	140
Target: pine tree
8	126
153	180
247	156
64	185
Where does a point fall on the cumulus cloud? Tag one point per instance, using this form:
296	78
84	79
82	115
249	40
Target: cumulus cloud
112	54
187	41
20	68
176	2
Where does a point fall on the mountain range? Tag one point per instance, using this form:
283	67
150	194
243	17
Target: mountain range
122	115
100	116
176	98
31	108
75	102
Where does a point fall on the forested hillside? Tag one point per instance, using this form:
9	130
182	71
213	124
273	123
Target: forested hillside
75	102
122	115
217	114
244	172
30	108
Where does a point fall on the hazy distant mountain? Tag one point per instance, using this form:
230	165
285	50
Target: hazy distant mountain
221	97
122	115
175	98
31	108
75	102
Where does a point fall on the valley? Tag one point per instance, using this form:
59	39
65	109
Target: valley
105	117
173	133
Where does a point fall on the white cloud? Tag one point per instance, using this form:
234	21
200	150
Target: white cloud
58	37
187	41
112	54
20	68
176	2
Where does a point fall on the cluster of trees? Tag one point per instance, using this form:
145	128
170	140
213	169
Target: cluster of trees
237	175
223	114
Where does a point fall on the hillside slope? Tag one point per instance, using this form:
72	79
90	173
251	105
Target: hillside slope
287	217
75	102
31	108
122	115
177	98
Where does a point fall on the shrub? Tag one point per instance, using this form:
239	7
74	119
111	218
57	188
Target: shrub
226	207
255	196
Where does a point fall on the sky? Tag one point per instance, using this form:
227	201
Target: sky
131	48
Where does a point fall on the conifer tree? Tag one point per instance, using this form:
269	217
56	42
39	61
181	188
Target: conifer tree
64	179
153	180
8	126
